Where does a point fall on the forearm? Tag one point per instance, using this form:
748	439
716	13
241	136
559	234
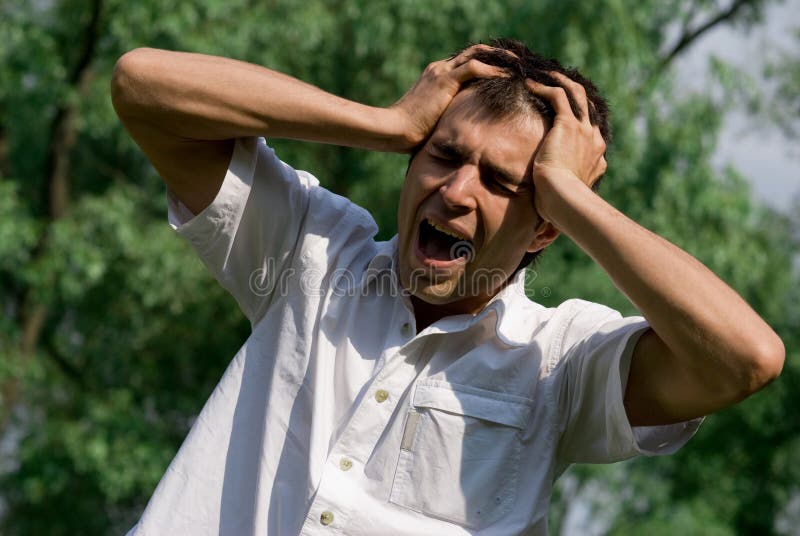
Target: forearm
711	332
200	97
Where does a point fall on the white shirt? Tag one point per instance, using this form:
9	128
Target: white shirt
337	417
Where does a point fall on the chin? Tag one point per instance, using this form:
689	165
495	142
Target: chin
436	296
432	285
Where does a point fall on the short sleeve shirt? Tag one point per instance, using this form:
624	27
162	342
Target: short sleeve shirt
338	417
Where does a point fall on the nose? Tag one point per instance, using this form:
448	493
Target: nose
458	191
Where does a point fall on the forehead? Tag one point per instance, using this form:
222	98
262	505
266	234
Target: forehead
509	142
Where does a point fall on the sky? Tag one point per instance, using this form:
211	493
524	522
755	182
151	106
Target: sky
769	160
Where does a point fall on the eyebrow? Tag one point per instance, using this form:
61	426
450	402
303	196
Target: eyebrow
454	150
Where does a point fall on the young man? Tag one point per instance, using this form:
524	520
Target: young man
410	387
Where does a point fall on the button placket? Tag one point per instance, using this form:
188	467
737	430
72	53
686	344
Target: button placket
327	514
361	435
394	379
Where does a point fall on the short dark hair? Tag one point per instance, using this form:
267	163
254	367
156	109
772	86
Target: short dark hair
505	97
508	96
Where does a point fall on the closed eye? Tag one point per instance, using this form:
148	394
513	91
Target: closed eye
494	179
496	185
501	183
444	157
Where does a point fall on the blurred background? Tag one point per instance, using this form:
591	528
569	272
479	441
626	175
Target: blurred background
112	335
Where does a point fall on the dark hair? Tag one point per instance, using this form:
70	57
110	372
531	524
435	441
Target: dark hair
505	97
510	96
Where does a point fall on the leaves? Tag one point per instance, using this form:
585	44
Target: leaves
125	359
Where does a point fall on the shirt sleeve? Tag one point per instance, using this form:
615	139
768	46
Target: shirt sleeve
248	234
596	350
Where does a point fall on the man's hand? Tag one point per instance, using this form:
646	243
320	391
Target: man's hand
573	148
706	348
184	110
421	107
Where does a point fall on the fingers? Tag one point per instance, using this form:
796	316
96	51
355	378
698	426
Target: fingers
476	69
572	142
557	96
599	148
598	170
469	52
465	66
597	140
578	93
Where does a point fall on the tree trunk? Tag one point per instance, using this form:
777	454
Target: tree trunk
55	197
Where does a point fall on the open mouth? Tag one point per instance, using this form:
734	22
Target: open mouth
443	245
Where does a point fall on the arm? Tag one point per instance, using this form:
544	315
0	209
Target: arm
706	348
184	111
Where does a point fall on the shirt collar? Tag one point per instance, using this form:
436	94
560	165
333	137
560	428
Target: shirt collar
383	263
514	314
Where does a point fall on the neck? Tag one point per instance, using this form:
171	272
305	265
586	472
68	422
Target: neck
426	313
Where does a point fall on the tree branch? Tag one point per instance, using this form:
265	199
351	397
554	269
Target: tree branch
690	35
62	131
68	369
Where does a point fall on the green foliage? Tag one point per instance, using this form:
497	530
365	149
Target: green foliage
125	358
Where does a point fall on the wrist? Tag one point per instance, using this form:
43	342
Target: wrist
556	190
390	130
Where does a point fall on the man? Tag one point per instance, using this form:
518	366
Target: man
409	387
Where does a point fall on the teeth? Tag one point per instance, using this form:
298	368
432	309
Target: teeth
445	231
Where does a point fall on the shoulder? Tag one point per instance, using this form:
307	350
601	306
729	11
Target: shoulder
563	322
576	324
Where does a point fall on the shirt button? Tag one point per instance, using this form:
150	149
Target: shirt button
381	395
345	464
326	517
405	329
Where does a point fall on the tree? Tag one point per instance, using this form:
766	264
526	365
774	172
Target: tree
107	354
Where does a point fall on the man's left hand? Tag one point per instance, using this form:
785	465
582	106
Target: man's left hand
573	148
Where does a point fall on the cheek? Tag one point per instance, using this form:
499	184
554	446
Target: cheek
416	189
408	205
512	227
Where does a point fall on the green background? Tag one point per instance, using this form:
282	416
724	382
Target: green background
112	334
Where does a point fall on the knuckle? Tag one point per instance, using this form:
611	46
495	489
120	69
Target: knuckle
578	89
560	94
599	142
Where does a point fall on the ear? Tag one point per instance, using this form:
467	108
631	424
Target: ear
546	233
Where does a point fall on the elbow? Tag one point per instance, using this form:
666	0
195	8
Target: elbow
766	363
126	94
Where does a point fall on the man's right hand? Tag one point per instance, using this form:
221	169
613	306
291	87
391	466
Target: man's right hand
184	110
421	107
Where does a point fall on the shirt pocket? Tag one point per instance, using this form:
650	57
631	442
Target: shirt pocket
460	452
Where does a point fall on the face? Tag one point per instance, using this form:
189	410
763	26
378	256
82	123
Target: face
466	215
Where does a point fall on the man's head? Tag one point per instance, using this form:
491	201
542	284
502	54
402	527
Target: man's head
466	216
507	98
